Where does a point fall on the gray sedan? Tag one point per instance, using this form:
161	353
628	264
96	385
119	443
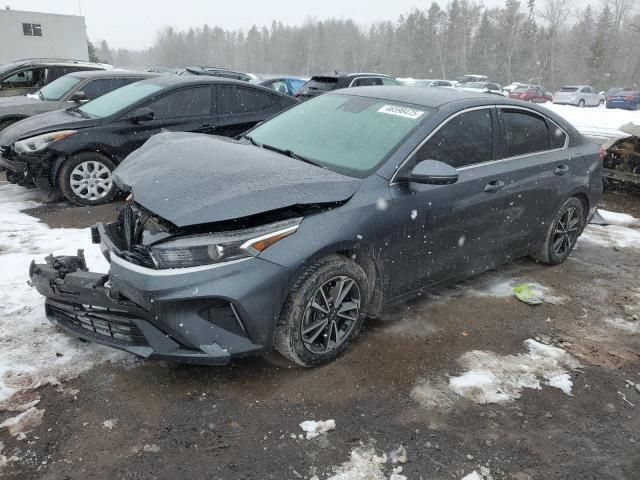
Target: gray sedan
67	91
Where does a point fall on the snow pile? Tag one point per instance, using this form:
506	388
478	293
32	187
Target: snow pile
611	236
615	218
365	464
493	378
315	429
622	324
601	122
33	352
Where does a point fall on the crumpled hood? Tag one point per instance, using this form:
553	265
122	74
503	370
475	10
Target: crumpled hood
192	179
44	123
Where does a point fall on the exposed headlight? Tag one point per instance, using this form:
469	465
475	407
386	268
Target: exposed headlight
221	247
40	142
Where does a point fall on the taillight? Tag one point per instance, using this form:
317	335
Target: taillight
629	98
602	153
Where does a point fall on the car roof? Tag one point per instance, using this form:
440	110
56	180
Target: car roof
426	97
349	75
56	62
166	81
112	73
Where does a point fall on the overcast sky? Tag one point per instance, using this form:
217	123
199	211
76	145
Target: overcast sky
133	23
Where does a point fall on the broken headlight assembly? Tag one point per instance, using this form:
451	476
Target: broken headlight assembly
212	248
40	142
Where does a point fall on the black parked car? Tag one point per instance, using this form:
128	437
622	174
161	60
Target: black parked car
27	76
76	150
290	237
325	83
68	91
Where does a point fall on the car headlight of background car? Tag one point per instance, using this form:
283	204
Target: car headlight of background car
40	142
207	249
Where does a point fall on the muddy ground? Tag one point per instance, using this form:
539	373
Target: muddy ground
171	421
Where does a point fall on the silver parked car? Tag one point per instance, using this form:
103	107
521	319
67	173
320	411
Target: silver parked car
578	95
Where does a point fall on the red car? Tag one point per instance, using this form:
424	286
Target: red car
531	93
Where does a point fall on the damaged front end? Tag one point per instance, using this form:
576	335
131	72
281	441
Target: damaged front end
173	293
621	157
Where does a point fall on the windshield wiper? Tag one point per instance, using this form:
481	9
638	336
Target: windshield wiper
291	154
253	142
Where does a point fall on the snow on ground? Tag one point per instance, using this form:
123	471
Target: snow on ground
615	218
611	236
365	464
598	121
32	351
493	378
314	428
626	325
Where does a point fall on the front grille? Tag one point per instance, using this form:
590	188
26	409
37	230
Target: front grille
115	325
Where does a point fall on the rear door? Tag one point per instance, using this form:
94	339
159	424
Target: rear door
534	151
185	110
449	230
240	108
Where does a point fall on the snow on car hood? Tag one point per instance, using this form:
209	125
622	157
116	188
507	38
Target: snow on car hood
191	179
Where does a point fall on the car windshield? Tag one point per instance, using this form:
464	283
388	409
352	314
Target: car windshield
475	85
119	99
569	89
347	134
58	88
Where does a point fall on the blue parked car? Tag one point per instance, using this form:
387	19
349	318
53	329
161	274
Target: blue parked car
287	85
626	98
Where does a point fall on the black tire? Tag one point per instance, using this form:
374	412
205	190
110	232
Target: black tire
298	313
601	103
548	252
581	104
4	123
87	198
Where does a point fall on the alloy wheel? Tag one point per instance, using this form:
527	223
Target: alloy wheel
566	232
91	180
330	315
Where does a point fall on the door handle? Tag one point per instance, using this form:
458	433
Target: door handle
494	186
561	170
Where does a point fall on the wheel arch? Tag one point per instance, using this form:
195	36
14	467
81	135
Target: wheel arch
57	164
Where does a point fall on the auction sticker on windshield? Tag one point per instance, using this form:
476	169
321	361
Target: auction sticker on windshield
401	111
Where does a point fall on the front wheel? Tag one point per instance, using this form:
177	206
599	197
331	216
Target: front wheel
323	313
87	179
563	233
581	104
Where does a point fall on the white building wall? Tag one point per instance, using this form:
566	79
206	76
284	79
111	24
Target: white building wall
63	36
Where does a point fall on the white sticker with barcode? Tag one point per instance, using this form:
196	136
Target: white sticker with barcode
401	111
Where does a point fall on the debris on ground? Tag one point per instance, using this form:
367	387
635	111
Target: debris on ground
109	424
153	448
316	428
625	399
528	294
399	455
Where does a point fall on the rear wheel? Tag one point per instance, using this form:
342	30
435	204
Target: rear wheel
4	123
323	313
601	103
581	104
86	179
563	233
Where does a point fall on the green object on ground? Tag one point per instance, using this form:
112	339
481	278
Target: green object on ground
526	294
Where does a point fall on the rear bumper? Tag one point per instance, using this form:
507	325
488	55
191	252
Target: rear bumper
207	315
623	105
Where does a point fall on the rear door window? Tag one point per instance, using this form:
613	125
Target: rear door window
366	82
237	100
464	140
97	88
525	133
185	103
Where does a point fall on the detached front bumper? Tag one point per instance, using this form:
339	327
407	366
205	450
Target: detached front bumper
207	316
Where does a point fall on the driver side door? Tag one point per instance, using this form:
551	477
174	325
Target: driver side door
446	231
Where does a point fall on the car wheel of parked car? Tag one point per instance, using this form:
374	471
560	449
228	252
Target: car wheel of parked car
323	313
87	179
581	104
601	103
9	121
563	233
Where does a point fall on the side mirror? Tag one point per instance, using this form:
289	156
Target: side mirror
78	97
433	172
143	114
